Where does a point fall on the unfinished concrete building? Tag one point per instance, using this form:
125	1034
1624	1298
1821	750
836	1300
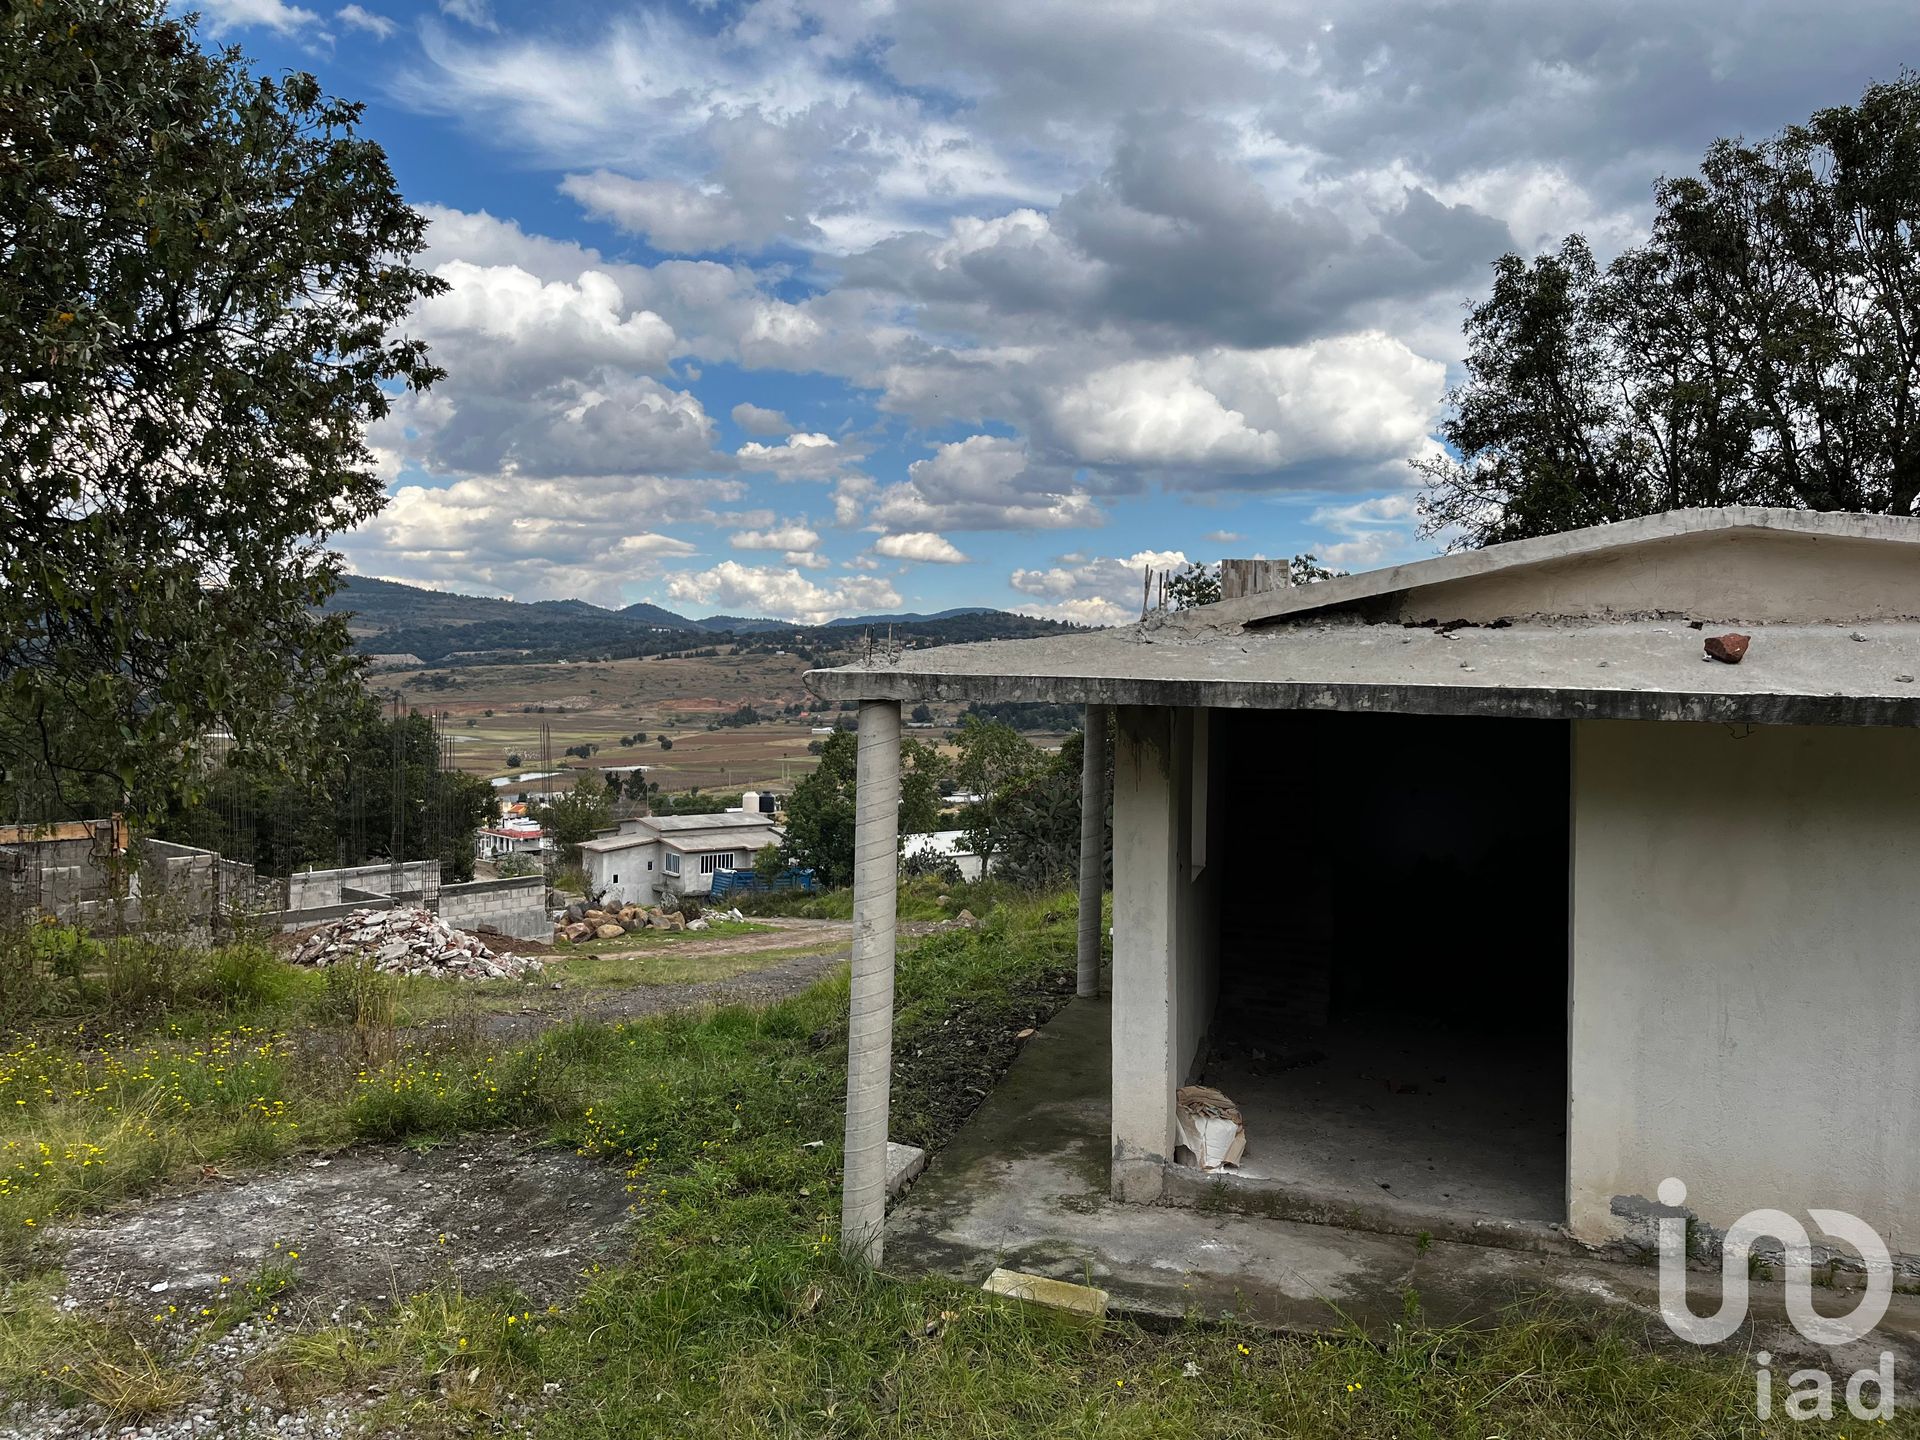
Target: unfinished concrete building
1483	870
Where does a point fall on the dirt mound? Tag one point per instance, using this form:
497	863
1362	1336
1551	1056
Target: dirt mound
410	941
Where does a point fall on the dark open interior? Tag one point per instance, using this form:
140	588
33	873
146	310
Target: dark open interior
1392	1016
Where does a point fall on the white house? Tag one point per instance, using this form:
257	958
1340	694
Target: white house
515	835
660	857
944	845
1580	907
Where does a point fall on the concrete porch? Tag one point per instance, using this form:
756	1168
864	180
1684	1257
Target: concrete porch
1025	1184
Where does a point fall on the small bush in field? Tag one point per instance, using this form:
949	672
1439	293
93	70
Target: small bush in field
245	975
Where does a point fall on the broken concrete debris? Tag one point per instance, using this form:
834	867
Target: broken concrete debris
1209	1126
410	941
1730	648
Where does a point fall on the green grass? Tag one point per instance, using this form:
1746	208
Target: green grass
734	1315
663	967
919	900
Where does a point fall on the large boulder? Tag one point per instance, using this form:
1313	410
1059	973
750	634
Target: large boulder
578	931
671	920
609	931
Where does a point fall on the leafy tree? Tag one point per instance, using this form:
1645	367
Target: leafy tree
1307	570
577	816
820	813
922	714
1039	821
1762	347
666	742
996	762
342	811
513	759
1198	584
769	864
201	276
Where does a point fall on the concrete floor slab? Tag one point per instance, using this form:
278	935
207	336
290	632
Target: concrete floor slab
1423	1116
1024	1186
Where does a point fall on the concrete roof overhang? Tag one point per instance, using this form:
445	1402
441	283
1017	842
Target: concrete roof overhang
1344	644
1648	671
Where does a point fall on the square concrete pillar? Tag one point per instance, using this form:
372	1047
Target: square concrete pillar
1147	820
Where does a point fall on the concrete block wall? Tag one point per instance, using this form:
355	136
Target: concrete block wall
173	886
312	889
515	906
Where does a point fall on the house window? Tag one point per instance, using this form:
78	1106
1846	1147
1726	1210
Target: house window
712	860
649	864
616	879
673	862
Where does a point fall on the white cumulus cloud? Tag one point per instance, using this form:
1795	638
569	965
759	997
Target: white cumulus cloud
792	535
1359	397
765	590
799	457
759	420
919	545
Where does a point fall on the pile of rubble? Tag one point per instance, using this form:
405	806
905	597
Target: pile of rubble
584	922
410	941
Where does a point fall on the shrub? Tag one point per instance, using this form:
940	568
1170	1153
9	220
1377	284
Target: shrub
245	974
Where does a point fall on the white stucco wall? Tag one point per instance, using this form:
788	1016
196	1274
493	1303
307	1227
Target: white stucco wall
1746	972
637	885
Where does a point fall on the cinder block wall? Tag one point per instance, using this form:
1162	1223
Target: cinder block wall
516	906
312	889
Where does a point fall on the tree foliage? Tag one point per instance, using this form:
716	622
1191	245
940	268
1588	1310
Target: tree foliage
578	815
820	813
1199	583
201	276
1039	820
996	763
342	812
1763	346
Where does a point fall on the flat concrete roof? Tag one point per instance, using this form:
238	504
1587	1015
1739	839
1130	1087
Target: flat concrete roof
1617	639
617	842
1644	670
714	820
1570	545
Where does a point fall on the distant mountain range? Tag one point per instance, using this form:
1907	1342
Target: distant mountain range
386	617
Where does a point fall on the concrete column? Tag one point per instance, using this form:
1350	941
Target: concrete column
1093	847
876	873
1145	910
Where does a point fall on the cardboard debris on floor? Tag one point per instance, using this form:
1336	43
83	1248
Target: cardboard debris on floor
1211	1132
410	941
